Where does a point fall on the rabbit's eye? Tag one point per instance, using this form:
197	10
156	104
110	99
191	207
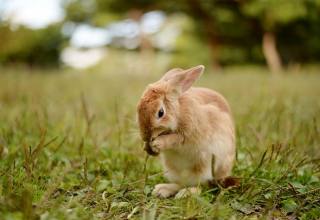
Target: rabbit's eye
160	113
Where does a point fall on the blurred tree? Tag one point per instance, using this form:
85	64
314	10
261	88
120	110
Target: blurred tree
220	24
41	47
220	32
133	9
101	12
234	30
80	10
271	15
207	15
299	40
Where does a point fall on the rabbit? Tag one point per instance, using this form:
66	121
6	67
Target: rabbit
187	126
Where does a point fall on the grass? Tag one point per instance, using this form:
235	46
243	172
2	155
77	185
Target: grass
70	147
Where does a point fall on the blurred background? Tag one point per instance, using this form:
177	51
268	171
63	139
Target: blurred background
278	34
73	71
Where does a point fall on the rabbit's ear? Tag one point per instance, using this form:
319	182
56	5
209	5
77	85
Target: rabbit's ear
171	73
183	80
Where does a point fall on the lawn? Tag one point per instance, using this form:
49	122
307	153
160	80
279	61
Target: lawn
70	147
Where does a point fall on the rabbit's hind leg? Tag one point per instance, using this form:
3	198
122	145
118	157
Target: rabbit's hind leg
222	167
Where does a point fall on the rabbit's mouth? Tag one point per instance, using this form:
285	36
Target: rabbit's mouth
165	132
147	146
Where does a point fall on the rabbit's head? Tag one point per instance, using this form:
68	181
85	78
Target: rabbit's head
158	108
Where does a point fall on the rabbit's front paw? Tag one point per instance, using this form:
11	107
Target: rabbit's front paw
157	144
165	190
187	192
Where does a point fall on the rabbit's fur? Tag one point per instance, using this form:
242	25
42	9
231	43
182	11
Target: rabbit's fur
196	125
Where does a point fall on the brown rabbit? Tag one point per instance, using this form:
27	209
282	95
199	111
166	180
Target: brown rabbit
187	126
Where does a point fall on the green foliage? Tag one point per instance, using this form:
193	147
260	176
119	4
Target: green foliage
221	32
273	12
41	47
124	6
74	152
190	50
298	40
103	18
80	10
234	28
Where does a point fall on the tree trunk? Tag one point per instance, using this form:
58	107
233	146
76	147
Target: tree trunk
214	52
199	13
271	53
145	46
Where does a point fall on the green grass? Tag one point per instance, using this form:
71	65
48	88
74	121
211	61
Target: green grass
70	147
